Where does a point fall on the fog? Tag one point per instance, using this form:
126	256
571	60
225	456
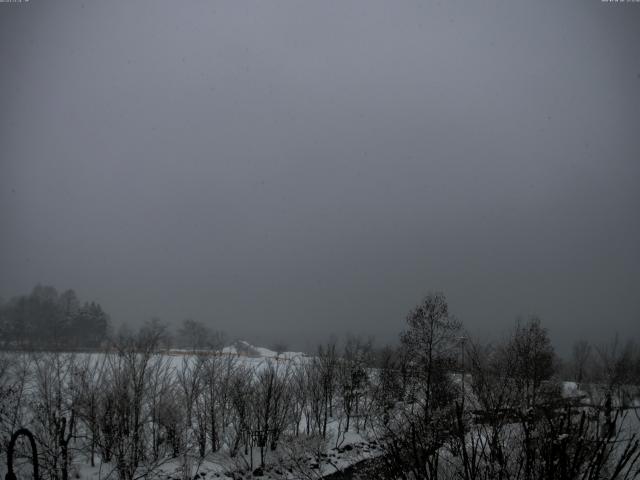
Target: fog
286	170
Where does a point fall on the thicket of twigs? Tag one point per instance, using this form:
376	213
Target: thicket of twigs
438	406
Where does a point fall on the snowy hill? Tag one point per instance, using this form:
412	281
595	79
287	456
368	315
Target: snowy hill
245	349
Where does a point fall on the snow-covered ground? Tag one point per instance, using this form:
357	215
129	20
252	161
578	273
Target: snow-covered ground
296	456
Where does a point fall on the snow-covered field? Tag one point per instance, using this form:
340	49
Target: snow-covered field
297	454
312	440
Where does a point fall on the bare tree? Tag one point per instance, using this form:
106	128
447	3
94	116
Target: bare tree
414	435
615	371
271	405
54	406
15	371
320	374
241	386
189	379
353	376
387	382
127	413
534	359
195	335
327	368
580	357
300	400
430	341
91	373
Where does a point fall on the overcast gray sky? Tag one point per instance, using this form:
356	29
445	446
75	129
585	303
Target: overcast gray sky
283	169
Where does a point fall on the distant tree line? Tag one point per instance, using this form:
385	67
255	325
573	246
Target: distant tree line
47	319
